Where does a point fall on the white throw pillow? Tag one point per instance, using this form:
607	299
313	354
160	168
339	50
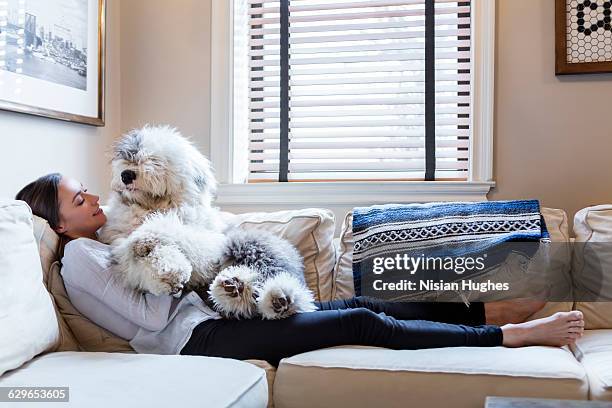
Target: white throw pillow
594	225
27	319
311	231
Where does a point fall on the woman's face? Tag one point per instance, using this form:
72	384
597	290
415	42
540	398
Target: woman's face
80	213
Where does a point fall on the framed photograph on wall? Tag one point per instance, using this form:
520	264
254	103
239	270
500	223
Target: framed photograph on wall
583	36
52	58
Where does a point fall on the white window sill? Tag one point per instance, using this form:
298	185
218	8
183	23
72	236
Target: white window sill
351	194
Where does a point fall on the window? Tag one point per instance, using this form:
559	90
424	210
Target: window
348	64
356	90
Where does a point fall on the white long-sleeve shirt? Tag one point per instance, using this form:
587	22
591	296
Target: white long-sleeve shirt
152	324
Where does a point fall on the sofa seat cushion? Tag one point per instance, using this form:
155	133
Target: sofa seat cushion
594	351
145	380
594	341
364	376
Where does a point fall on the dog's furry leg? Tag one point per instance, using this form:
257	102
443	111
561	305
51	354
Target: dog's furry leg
233	292
283	295
149	265
163	256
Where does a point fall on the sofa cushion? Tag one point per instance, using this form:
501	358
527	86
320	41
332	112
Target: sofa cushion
48	242
270	375
556	222
145	380
49	247
27	318
363	377
557	225
76	331
593	341
344	287
311	231
599	372
593	228
594	351
90	337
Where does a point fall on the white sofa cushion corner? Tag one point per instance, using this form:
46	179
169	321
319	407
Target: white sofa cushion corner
28	322
594	351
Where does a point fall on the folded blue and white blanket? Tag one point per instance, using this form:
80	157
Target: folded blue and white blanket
452	229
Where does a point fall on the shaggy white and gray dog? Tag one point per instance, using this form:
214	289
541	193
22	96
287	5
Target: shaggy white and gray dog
166	236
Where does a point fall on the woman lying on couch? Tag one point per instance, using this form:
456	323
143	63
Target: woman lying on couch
186	325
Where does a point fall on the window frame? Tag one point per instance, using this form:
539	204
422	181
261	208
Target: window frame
231	192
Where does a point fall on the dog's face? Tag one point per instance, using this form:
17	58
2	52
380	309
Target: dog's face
156	166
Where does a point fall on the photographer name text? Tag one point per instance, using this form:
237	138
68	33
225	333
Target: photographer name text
428	285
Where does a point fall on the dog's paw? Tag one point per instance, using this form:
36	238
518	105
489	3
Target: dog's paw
283	296
144	246
275	304
233	292
233	287
281	304
163	270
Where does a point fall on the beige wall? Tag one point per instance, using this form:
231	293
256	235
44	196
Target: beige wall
158	71
32	146
553	138
165	65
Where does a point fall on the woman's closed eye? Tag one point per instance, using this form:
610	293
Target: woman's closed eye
82	199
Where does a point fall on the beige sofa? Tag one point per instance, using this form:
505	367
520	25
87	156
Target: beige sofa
101	369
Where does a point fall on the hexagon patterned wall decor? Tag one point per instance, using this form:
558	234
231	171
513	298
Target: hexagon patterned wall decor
583	36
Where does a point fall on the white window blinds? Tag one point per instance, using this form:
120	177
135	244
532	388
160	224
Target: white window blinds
358	90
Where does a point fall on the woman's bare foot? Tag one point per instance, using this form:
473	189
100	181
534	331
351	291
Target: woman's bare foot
559	329
511	311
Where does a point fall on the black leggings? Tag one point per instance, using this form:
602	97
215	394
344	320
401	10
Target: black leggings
357	321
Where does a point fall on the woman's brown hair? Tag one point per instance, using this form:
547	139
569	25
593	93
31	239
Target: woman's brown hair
41	196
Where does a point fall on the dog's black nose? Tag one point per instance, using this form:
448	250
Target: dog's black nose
127	176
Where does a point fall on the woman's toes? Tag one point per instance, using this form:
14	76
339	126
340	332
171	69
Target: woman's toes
575	329
576	323
575	315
